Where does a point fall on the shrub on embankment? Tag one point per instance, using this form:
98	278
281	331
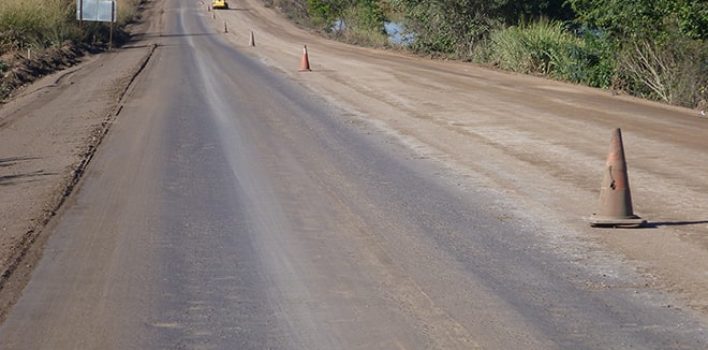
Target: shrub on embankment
547	48
656	49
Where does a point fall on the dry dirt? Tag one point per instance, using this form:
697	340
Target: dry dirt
23	70
48	133
541	142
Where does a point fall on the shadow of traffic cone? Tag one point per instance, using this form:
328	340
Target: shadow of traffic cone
305	61
615	196
252	40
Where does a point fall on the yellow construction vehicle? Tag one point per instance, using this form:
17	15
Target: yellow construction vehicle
219	5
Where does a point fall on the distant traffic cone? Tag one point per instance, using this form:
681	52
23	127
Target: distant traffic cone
252	40
305	61
615	197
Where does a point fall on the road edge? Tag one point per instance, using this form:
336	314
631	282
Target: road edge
16	274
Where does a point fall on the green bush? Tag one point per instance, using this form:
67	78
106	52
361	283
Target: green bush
661	48
547	48
593	62
367	15
357	22
323	13
653	19
363	24
539	48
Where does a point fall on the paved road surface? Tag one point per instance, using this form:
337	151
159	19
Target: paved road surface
230	209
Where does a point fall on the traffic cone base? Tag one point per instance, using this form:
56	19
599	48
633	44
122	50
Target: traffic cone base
615	196
636	221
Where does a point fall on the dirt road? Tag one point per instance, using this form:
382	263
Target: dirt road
417	205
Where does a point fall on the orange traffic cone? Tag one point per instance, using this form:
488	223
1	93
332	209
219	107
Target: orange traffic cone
252	40
615	197
305	61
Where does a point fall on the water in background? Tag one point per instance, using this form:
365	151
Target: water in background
394	30
397	34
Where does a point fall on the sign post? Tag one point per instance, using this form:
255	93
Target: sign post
80	8
113	20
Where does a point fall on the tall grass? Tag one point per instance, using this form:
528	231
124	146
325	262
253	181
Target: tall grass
547	48
35	23
127	10
46	23
541	47
675	72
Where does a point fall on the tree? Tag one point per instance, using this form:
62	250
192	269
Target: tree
662	52
644	18
515	11
450	26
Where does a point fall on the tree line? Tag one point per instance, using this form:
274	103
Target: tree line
655	49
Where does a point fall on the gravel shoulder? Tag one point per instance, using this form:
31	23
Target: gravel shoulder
541	143
48	134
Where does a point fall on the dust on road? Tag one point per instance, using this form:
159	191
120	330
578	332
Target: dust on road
541	142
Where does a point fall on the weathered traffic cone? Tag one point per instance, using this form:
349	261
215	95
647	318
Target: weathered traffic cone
615	197
226	29
252	40
305	61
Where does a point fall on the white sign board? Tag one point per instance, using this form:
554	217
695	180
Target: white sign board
96	10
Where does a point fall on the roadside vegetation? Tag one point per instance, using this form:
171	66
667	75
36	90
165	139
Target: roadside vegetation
46	23
655	49
31	27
